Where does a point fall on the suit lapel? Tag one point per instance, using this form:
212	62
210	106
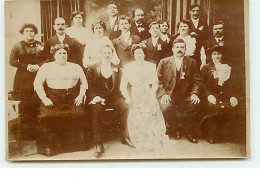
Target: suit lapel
173	66
122	41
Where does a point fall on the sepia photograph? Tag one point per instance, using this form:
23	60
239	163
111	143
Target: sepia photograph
126	79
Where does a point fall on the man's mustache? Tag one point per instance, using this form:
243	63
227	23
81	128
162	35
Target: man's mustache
180	52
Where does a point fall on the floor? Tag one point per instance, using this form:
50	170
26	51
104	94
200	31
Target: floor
115	150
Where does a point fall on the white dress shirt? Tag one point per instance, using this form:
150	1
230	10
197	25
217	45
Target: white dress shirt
61	38
112	21
219	39
195	22
178	62
154	41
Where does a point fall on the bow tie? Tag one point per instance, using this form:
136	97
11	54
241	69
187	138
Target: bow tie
139	25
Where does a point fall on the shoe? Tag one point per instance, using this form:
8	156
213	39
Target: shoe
192	139
212	140
177	135
127	141
99	150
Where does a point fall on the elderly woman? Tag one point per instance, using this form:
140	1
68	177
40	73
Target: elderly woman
194	47
61	86
77	30
94	43
26	56
220	91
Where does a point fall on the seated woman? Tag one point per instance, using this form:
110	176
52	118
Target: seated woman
146	124
61	86
77	30
194	47
94	43
220	91
26	56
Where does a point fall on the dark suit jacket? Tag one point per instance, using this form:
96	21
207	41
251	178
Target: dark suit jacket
94	75
111	32
75	53
166	72
154	54
167	52
123	50
144	34
202	34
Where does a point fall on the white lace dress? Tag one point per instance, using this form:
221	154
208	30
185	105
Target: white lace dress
146	124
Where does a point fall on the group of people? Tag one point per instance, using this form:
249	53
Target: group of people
160	85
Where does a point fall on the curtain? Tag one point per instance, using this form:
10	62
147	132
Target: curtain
177	10
51	9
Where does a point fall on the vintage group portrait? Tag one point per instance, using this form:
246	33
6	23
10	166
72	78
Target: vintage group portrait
126	79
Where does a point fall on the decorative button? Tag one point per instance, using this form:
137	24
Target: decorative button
222	106
221	92
220	102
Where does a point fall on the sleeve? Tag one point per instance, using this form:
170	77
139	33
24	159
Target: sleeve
160	69
91	82
86	55
124	83
78	54
196	79
204	76
14	58
39	81
83	80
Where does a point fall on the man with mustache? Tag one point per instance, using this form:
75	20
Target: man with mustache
104	92
124	42
111	21
139	27
199	26
178	93
219	38
75	51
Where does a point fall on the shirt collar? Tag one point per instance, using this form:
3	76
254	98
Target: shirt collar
61	37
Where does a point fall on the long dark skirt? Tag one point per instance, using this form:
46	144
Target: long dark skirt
64	126
28	115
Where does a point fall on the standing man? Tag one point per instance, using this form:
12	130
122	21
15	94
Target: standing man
123	44
166	38
75	53
219	38
199	26
154	45
104	92
139	27
178	93
111	21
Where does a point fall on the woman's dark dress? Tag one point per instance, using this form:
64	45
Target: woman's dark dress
23	54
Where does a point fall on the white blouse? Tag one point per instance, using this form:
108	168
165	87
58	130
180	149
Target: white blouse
78	33
60	77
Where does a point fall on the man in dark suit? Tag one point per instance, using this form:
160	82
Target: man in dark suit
75	53
124	42
219	38
111	21
166	38
199	26
104	92
139	27
179	88
154	46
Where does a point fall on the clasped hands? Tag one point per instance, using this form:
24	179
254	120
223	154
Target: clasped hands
32	67
166	99
98	99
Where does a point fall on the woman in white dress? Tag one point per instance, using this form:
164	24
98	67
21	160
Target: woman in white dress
77	30
194	48
94	43
146	124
